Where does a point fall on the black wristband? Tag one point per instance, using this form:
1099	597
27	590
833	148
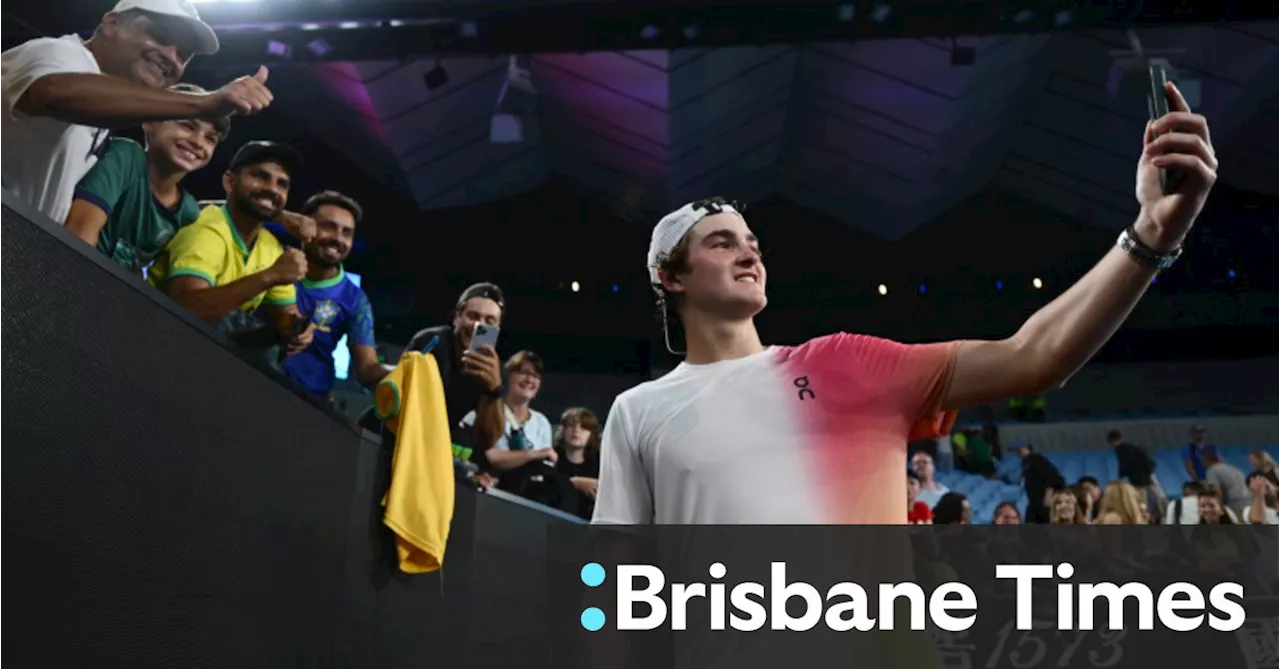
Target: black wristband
494	393
1145	255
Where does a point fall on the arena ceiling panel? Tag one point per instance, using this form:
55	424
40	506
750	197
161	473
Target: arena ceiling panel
883	135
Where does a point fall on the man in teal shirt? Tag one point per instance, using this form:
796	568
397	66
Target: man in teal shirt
132	202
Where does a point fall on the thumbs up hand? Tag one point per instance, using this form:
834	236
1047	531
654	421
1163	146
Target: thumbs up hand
246	95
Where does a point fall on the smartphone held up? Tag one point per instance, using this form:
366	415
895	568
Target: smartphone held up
1158	106
484	335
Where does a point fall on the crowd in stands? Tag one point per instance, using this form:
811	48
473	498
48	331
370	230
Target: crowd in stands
1215	491
63	96
289	307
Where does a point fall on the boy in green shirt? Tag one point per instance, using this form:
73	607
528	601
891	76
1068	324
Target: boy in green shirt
131	203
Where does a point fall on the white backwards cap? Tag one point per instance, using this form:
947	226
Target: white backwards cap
674	226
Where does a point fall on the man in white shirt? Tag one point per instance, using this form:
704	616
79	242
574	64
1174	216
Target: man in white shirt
743	433
62	95
930	490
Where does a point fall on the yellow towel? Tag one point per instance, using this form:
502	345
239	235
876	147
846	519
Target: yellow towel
419	504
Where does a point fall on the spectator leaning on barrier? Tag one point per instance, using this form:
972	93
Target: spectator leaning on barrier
527	435
224	265
62	95
132	202
472	379
333	305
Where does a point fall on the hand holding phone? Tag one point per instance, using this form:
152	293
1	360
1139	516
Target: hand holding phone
483	365
1158	106
484	335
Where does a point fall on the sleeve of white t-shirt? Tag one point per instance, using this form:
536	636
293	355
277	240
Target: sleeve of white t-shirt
1269	516
26	64
624	497
538	431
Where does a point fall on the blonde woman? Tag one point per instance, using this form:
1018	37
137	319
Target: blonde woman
1122	504
1262	462
1065	508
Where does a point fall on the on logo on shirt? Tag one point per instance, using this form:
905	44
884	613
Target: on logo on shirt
804	393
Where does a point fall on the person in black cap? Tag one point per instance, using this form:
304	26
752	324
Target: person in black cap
472	379
225	265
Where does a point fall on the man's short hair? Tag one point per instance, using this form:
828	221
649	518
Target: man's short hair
486	290
523	358
1087	479
222	125
334	198
1113	435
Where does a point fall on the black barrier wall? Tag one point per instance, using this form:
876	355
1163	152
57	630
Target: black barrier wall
167	504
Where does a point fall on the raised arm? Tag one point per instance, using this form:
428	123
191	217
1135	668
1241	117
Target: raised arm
1063	335
104	101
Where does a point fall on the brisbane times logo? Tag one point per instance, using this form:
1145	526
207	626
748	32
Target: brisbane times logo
646	601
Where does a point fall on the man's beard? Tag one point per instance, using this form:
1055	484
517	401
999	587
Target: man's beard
314	256
245	203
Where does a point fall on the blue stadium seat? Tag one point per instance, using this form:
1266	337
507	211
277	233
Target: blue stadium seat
985	494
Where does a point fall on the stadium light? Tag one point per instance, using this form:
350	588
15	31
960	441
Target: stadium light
1037	283
882	289
279	49
574	286
319	47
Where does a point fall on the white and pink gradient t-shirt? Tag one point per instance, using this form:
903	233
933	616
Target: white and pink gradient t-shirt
814	434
